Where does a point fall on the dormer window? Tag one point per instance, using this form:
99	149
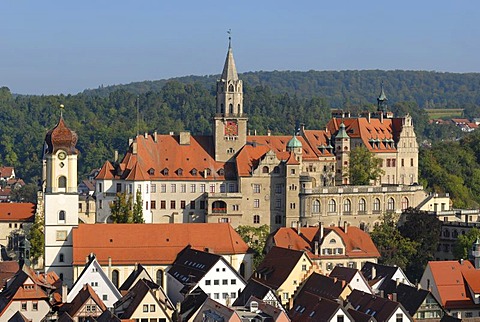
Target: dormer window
194	172
208	172
165	172
180	171
151	171
221	172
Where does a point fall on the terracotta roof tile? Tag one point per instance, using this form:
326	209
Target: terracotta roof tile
107	172
122	242
13	211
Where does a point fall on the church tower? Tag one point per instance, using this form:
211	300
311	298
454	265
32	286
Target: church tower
60	199
230	124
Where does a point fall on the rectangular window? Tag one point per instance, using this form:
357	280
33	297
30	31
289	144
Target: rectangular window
222	188
399	317
145	307
224	282
233	282
212	188
231	187
146	205
233	295
292	205
80	208
163	204
256	188
256	203
411	162
119	187
152	307
153	204
104	296
202	204
183	188
304	268
100	204
216	282
139	187
285	296
292	171
163	188
208	282
173	188
24	306
34	306
403	162
340	318
146	188
278	188
100	187
278	203
192	204
172	204
235	207
61	235
183	204
225	296
388	162
193	188
216	296
202	188
153	188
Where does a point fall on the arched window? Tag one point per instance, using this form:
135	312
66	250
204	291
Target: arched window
391	204
332	206
242	270
230	88
61	215
222	108
230	107
315	206
256	219
347	206
160	277
115	278
238	108
376	204
363	226
276	170
62	182
265	169
362	205
404	203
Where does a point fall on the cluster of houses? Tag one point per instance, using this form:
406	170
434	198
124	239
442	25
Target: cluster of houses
308	274
464	124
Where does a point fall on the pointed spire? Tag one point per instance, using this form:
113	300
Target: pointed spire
229	69
382	97
342	133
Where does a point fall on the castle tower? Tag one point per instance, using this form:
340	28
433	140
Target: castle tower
60	199
342	143
230	124
382	101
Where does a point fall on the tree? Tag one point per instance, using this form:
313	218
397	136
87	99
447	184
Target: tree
36	237
424	229
393	247
256	238
364	166
121	208
464	243
26	193
138	209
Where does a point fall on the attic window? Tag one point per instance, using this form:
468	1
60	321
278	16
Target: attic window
180	171
221	172
194	172
151	171
208	171
165	172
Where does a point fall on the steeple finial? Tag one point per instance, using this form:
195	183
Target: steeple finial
229	70
61	107
229	32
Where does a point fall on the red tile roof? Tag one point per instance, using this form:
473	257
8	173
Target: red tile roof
6	172
17	211
357	242
152	244
453	279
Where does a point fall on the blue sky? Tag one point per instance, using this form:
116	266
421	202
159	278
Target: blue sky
52	47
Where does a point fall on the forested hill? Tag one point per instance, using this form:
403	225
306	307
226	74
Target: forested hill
427	89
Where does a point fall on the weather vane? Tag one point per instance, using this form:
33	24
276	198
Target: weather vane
61	107
229	32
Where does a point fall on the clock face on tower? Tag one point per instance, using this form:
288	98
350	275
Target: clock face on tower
231	128
62	155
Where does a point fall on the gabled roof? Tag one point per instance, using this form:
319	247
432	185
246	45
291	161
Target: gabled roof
92	268
253	288
138	273
108	316
192	303
453	280
6	172
277	266
375	273
18	317
347	274
358	243
191	266
122	244
310	307
17	211
323	286
380	308
107	171
7	271
81	298
409	296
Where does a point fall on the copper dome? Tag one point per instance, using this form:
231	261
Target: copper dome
61	137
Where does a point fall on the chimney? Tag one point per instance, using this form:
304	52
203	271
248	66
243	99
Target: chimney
109	267
255	132
155	137
419	286
172	133
374	272
269	132
64	293
397	282
321	232
382	294
115	156
134	147
87	259
145	135
345	227
316	247
299	227
394	297
130	141
381	117
184	138
368	117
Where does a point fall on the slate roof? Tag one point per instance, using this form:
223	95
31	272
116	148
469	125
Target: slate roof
410	297
134	297
18	317
358	243
253	288
108	316
384	272
310	307
122	244
191	266
323	286
380	308
17	211
133	277
277	266
7	271
344	273
192	303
